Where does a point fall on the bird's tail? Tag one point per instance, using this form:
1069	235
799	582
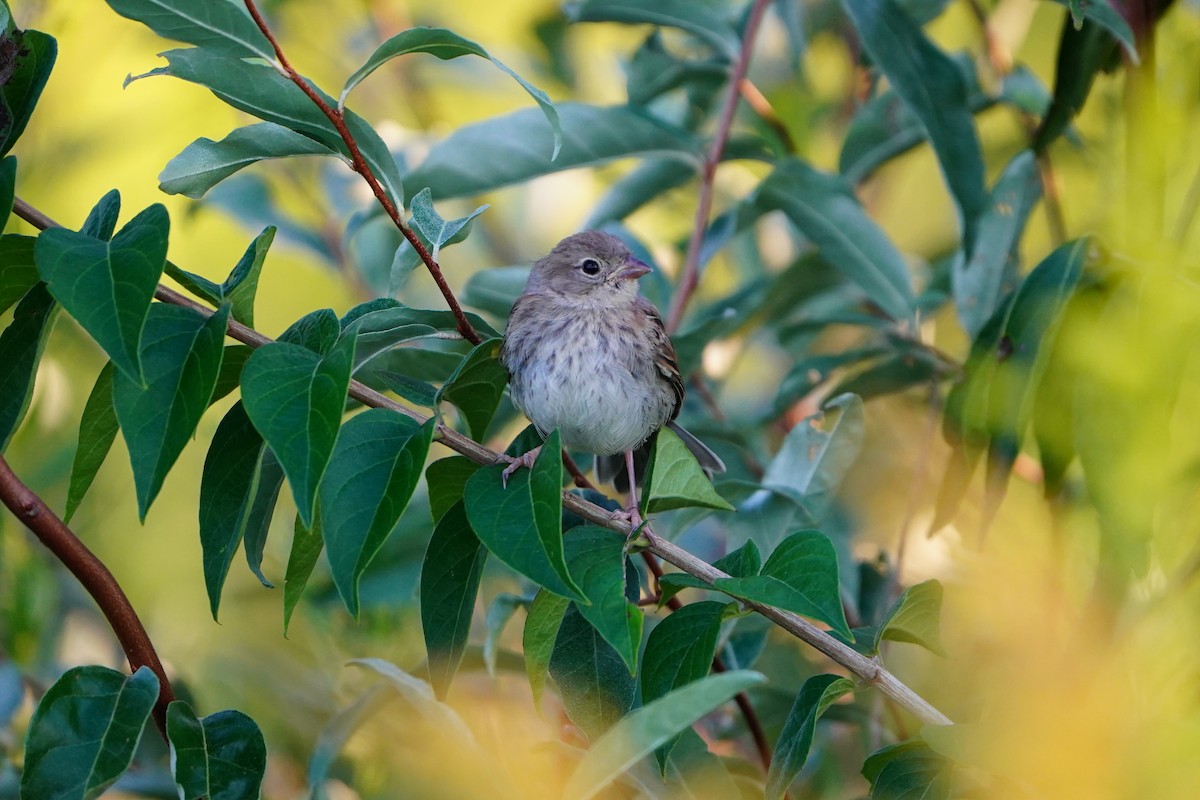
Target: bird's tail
611	469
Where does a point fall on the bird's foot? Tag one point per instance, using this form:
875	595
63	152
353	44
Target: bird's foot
524	460
631	517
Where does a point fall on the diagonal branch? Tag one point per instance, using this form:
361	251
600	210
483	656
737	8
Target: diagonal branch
363	168
691	264
868	670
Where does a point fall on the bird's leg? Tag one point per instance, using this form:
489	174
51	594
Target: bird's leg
631	513
524	460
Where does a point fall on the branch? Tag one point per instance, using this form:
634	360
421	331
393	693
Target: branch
362	168
691	264
91	573
869	670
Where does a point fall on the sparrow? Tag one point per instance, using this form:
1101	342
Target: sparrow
589	356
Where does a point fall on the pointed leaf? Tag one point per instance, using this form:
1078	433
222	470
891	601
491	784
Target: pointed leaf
477	386
18	272
222	27
703	20
181	355
800	576
791	750
258	516
306	548
446	45
542	624
674	479
593	681
108	286
372	473
220	757
909	770
242	284
449	583
97	429
649	727
21	346
317	331
295	399
596	557
446	479
914	617
30	57
85	730
101	221
818	452
434	230
1103	14
521	523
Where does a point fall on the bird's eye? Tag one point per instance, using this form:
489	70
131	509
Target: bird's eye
590	266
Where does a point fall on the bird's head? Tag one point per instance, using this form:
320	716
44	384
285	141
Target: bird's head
592	268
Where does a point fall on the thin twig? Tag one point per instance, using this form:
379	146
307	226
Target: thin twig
869	670
363	168
691	265
91	573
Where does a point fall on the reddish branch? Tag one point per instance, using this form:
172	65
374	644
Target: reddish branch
691	264
363	168
93	576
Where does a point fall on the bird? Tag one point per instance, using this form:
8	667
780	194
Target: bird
589	356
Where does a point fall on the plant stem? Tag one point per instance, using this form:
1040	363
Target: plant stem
362	168
91	573
691	265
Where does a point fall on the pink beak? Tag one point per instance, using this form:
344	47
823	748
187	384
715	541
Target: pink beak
632	270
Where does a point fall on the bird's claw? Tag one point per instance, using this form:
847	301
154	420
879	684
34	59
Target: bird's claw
524	460
631	517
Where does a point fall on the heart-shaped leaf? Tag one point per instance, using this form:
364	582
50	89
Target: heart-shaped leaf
220	757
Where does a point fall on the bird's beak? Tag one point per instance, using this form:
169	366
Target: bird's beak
632	270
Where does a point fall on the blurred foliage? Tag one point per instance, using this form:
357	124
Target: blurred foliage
941	340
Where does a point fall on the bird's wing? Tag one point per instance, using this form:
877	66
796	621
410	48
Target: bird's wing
664	353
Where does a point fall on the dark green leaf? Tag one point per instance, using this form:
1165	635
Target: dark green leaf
306	548
654	70
909	771
704	20
8	186
225	28
21	346
791	750
230	375
521	523
181	356
258	522
84	732
638	734
542	624
1082	54
914	617
30	56
220	757
108	286
449	583
101	221
242	284
446	45
477	386
825	210
514	148
933	88
593	680
384	325
205	163
18	272
295	399
801	575
742	562
673	583
434	230
446	479
372	473
97	429
596	557
674	479
818	452
317	331
1103	14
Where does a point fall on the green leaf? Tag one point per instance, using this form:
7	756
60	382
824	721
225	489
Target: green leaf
230	375
447	45
372	473
498	614
1082	55
638	734
825	210
8	186
242	284
21	346
449	584
205	163
224	28
914	617
809	373
521	523
596	557
97	429
593	681
101	221
434	230
317	331
258	524
542	624
512	148
237	497
1103	14
257	89
220	757
909	771
295	399
385	324
791	750
495	290
651	178
933	88
108	286
674	479
818	452
477	386
30	56
446	479
801	575
742	562
991	268
703	20
654	70
181	356
85	730
306	548
18	272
